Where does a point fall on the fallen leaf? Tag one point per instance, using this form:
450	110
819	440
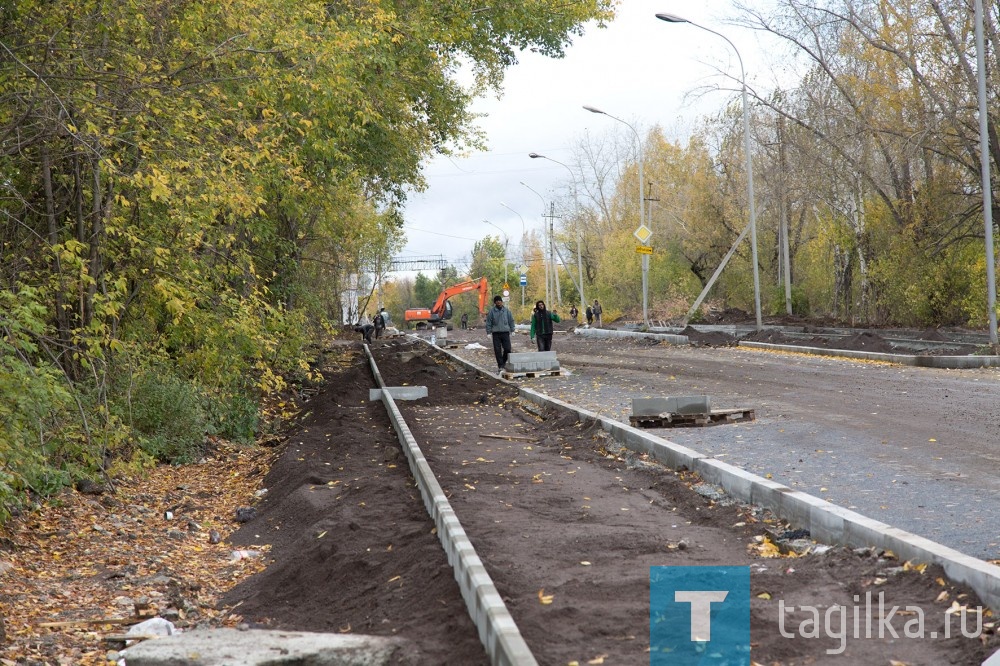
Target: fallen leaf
546	599
764	595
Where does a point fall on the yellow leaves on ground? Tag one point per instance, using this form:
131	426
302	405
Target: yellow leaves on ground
53	581
545	599
766	548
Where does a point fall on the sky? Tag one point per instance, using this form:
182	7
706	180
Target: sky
639	69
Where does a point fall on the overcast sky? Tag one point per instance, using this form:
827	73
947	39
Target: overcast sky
638	69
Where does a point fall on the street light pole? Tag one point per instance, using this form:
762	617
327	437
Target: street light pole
506	242
671	18
984	164
579	259
642	215
544	235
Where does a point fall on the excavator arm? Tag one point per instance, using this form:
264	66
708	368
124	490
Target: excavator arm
440	310
481	284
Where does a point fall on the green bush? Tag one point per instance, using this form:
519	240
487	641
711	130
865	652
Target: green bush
235	417
167	416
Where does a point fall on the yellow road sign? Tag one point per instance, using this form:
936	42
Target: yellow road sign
643	249
643	234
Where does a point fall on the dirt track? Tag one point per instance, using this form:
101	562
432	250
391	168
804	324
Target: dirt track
917	448
566	527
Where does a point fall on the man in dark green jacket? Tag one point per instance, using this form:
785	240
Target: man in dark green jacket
541	325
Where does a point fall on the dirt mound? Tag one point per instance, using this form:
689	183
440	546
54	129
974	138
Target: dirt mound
708	338
933	335
354	548
865	341
769	335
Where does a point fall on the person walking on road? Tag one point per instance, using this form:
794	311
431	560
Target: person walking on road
379	323
597	312
465	320
590	316
541	325
573	312
499	325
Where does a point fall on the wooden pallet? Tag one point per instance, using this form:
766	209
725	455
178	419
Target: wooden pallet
530	374
715	417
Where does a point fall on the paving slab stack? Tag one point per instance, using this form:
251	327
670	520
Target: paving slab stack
686	404
532	362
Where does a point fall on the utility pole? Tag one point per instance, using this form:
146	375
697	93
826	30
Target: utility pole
554	272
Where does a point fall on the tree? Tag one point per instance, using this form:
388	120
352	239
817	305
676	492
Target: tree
188	185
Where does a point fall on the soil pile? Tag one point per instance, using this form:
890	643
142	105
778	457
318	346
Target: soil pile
933	335
708	338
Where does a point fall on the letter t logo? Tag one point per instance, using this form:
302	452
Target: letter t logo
701	611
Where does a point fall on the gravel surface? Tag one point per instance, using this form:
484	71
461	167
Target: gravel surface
914	447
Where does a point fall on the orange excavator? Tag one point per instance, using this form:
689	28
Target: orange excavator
441	310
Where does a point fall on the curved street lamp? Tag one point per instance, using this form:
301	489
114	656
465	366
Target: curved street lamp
672	18
642	215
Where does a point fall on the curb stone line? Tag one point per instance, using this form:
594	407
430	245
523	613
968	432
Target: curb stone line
941	362
499	634
825	521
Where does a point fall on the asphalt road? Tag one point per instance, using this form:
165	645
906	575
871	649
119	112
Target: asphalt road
917	448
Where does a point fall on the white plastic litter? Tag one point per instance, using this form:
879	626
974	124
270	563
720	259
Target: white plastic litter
243	555
474	345
154	626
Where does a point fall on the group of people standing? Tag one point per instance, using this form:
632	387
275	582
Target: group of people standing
500	324
593	312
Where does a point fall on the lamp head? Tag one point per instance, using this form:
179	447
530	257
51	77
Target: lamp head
535	156
671	18
592	109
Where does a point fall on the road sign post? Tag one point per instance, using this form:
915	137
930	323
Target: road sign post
643	234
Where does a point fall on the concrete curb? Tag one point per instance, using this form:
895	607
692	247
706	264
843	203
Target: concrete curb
826	522
612	333
500	636
944	362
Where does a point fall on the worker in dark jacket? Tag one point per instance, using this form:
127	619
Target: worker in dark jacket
499	325
365	328
541	325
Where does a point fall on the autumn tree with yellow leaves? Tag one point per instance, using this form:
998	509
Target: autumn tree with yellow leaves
185	186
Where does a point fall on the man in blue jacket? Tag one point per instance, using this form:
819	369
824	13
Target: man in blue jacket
500	324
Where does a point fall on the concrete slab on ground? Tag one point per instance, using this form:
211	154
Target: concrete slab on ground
399	393
231	647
